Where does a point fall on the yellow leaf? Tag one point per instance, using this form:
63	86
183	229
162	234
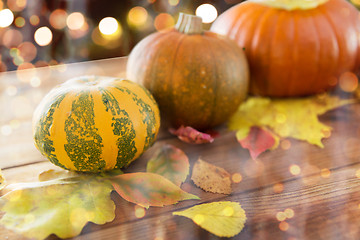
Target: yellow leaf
2	181
295	117
224	219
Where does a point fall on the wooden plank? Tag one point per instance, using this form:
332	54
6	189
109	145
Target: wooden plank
328	209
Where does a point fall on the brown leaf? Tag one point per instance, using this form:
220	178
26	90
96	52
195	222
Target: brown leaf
211	178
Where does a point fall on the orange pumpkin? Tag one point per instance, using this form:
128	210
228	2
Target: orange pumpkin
198	78
294	47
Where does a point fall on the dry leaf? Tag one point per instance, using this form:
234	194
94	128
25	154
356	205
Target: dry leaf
149	189
224	219
171	163
258	140
61	205
191	135
296	118
211	178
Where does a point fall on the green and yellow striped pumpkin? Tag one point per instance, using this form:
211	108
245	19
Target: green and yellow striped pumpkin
94	124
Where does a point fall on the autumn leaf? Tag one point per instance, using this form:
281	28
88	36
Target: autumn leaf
211	178
59	204
149	189
257	140
224	219
171	163
191	135
2	181
296	118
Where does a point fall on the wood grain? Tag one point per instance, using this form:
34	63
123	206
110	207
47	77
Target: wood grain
324	196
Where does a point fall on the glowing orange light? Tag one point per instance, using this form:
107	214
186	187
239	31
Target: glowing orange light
6	18
325	173
16	5
75	21
57	19
348	82
295	169
285	144
27	51
34	20
43	36
284	226
12	38
163	20
278	187
236	177
137	16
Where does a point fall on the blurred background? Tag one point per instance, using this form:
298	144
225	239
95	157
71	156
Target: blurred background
36	33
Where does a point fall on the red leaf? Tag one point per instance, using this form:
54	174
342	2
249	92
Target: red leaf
149	189
258	141
171	163
191	135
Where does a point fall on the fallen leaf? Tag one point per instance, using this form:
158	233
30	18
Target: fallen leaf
149	189
191	135
171	163
59	205
296	118
2	181
211	178
224	219
258	140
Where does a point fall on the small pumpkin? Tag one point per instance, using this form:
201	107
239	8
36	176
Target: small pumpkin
94	123
198	78
294	47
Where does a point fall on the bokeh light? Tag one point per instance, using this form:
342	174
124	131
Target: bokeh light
58	18
348	82
207	12
75	21
12	38
108	26
173	2
6	18
16	5
278	188
34	20
295	169
325	173
284	226
20	22
137	16
163	21
27	51
43	36
236	178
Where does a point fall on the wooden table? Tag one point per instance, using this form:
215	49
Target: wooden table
324	196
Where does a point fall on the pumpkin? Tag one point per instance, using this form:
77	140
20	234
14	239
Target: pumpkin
294	47
198	78
94	124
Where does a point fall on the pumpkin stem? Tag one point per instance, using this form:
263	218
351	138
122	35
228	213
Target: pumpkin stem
189	24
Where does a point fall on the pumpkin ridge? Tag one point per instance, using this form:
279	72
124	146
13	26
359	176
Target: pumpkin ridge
42	133
148	116
122	128
84	144
102	116
294	40
318	54
171	89
334	33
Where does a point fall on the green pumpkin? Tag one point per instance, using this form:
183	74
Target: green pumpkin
94	124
